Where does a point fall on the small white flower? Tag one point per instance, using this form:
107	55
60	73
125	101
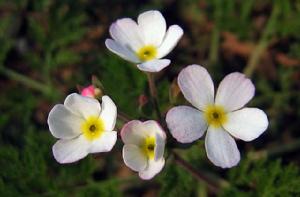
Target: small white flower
144	42
82	127
222	116
144	144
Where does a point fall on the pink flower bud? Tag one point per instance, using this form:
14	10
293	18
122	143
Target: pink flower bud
88	91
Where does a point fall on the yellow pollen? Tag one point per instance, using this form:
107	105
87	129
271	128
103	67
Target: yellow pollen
148	147
147	53
215	115
92	127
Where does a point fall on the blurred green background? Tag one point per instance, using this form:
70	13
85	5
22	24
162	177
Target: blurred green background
48	47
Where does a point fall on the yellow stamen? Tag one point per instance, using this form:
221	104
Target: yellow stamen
148	147
147	53
92	127
215	115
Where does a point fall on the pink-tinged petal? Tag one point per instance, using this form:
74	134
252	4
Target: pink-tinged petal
186	124
127	33
153	168
153	26
172	37
108	113
63	123
154	65
82	106
134	158
196	86
247	123
133	133
68	151
121	51
221	148
234	91
104	143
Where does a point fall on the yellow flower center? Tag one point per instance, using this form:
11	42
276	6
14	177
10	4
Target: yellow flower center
92	127
147	53
215	115
148	147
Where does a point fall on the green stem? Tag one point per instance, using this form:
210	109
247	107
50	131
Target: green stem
276	151
26	80
263	42
215	185
153	93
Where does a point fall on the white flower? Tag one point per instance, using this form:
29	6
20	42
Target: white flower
144	42
144	144
222	116
82	127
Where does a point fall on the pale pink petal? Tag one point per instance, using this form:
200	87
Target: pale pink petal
68	151
153	168
234	91
153	26
247	123
82	106
186	124
134	158
104	143
154	65
172	37
108	113
221	148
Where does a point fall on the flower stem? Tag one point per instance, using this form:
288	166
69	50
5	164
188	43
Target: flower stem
263	42
153	93
212	183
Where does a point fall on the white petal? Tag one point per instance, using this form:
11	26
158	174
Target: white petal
82	106
153	26
159	146
247	123
221	148
196	86
63	123
127	33
122	51
234	91
153	168
108	113
104	143
134	157
186	124
154	65
172	37
152	127
68	151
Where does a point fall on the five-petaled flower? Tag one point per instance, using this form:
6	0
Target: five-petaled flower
222	115
144	42
83	127
144	144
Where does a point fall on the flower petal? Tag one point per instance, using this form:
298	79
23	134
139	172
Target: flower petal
82	106
221	148
68	151
63	123
152	127
186	124
196	86
234	91
172	37
127	33
153	168
133	133
159	147
247	123
154	65
134	157
108	113
153	26
121	51
104	143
